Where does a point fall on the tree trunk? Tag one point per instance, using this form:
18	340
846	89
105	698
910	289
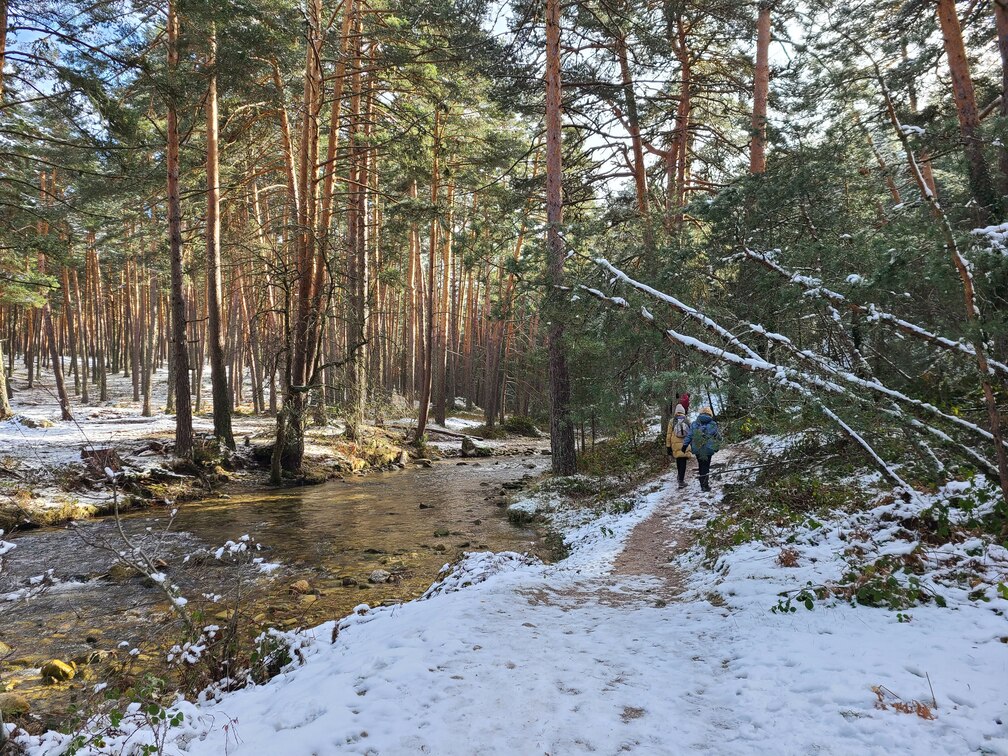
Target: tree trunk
1001	24
5	408
82	319
428	363
180	351
761	90
440	375
3	44
633	125
153	312
966	108
561	426
215	336
299	372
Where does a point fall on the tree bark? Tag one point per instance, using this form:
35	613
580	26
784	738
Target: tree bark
3	44
761	91
440	375
966	109
561	426
180	350
215	335
1001	25
428	362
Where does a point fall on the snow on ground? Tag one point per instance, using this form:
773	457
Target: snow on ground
508	655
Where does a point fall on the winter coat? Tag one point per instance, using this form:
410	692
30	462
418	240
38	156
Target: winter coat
672	441
704	426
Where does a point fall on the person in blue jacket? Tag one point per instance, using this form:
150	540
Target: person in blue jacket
705	438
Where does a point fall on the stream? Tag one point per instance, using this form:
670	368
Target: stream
62	596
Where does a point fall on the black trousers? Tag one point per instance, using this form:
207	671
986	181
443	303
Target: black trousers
680	464
704	463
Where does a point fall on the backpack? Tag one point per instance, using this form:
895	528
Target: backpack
706	440
681	427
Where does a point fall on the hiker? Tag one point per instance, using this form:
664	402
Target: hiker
705	439
678	429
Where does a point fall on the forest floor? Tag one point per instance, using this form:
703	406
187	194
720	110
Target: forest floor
46	480
638	641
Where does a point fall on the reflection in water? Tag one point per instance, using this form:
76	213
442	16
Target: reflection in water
408	523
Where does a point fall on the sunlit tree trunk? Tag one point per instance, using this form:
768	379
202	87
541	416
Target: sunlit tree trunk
215	335
180	351
761	90
1001	24
966	108
428	362
306	319
3	45
561	426
440	376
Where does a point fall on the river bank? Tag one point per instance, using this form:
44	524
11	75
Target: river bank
313	553
54	471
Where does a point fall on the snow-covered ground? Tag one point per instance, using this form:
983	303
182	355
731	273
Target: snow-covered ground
510	656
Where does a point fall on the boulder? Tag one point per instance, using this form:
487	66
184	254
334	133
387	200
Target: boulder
380	576
56	671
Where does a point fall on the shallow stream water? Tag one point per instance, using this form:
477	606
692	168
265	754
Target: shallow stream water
408	523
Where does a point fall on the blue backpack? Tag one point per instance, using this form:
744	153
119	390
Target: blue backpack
706	438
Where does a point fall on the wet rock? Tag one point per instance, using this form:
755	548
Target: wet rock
442	532
376	551
14	704
299	587
440	547
4	649
310	598
347	581
425	463
477	522
426	506
56	671
34	422
380	576
120	571
94	657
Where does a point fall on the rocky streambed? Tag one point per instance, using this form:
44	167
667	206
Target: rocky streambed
311	554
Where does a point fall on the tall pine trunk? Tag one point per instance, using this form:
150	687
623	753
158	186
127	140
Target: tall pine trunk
966	108
1001	25
180	350
561	426
215	335
761	90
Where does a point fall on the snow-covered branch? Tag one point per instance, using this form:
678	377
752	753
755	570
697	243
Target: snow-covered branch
814	288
